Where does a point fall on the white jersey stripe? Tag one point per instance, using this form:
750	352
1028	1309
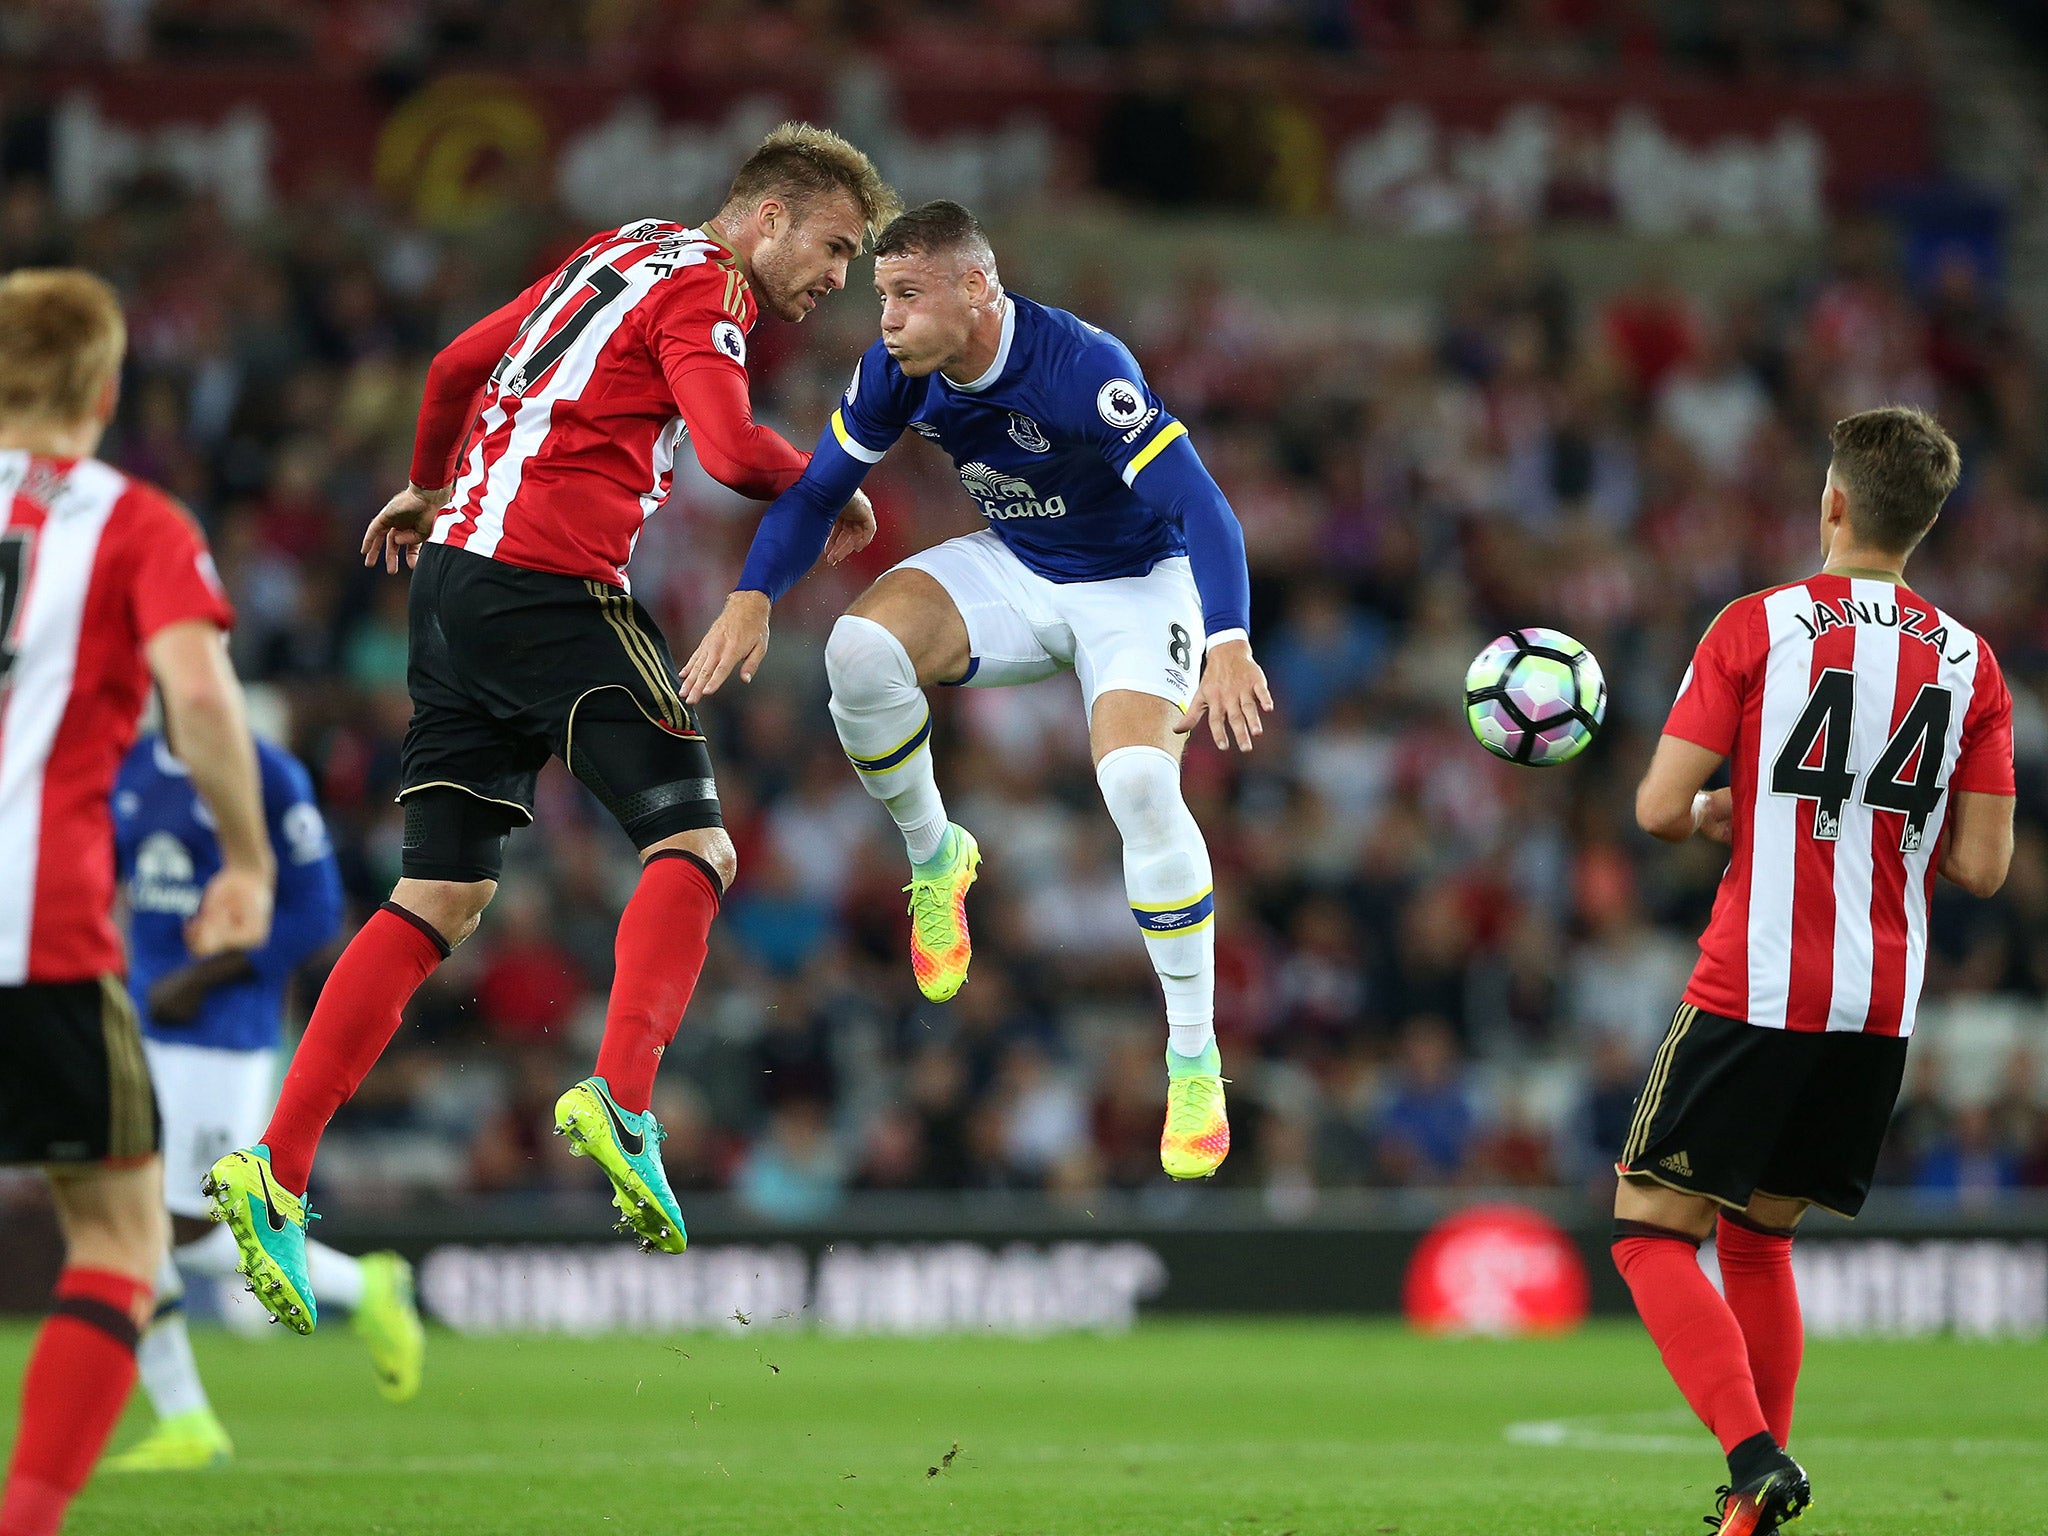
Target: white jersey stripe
1877	658
39	691
1788	678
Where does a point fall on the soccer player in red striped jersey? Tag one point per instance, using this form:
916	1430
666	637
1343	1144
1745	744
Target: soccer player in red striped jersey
104	583
1868	737
545	441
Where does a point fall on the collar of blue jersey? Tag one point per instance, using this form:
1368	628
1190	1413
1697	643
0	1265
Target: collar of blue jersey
995	369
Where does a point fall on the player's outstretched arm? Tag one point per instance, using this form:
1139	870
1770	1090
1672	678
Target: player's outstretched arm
1175	483
804	522
1671	802
1979	850
208	728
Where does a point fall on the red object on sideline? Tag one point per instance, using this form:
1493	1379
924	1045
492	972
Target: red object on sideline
1496	1269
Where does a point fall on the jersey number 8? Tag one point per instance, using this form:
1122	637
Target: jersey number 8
1179	646
1828	721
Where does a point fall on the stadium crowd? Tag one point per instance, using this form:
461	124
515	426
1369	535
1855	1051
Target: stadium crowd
1721	39
1434	968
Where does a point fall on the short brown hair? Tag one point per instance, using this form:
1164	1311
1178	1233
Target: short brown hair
1898	466
933	228
800	164
61	340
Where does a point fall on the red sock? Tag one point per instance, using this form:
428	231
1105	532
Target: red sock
77	1383
662	938
1756	1277
358	1013
1695	1332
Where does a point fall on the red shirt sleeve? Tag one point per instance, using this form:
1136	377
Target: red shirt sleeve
1984	761
454	379
172	574
1708	710
702	352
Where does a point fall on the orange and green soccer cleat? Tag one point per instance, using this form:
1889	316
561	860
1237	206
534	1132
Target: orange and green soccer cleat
939	945
1197	1134
1768	1502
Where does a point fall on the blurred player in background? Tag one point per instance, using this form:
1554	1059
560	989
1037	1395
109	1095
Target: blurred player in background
1110	550
103	582
1869	743
210	1028
545	441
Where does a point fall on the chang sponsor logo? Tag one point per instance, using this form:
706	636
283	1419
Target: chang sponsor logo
1002	496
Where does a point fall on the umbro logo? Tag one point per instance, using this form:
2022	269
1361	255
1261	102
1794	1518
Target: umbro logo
1678	1163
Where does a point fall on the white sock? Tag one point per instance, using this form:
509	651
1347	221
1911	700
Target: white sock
164	1357
212	1255
1172	893
885	726
337	1278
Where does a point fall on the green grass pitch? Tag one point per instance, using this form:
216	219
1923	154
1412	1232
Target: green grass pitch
1220	1428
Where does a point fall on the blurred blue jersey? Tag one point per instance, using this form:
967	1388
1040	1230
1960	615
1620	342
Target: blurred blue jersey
166	851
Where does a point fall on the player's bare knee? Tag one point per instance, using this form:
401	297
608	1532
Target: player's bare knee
451	908
709	846
113	1218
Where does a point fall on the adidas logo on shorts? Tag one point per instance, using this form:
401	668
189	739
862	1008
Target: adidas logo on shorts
1678	1163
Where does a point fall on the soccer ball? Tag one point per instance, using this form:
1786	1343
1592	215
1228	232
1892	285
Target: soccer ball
1535	697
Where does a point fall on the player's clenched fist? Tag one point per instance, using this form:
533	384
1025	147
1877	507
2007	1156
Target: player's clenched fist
406	523
234	912
1233	695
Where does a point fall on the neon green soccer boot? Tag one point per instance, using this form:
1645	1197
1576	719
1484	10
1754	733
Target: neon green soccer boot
185	1442
388	1322
939	945
269	1225
1197	1134
628	1148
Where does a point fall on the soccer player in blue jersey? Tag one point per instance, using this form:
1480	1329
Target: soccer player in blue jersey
1109	550
210	1028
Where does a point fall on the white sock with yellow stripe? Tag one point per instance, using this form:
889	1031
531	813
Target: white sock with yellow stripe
885	726
1167	878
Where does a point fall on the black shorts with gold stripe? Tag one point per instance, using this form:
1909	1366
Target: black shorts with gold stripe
509	667
74	1086
1732	1109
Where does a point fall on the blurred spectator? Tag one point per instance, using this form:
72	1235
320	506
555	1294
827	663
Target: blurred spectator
1428	1127
793	1173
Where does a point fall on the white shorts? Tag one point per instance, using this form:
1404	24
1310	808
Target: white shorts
1142	633
211	1101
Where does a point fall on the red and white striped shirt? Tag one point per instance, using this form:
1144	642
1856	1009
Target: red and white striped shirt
575	396
92	564
1849	710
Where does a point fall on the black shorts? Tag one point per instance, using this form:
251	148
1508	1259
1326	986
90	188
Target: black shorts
1732	1110
509	667
74	1085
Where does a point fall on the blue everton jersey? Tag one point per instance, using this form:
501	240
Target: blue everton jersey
166	851
1047	443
